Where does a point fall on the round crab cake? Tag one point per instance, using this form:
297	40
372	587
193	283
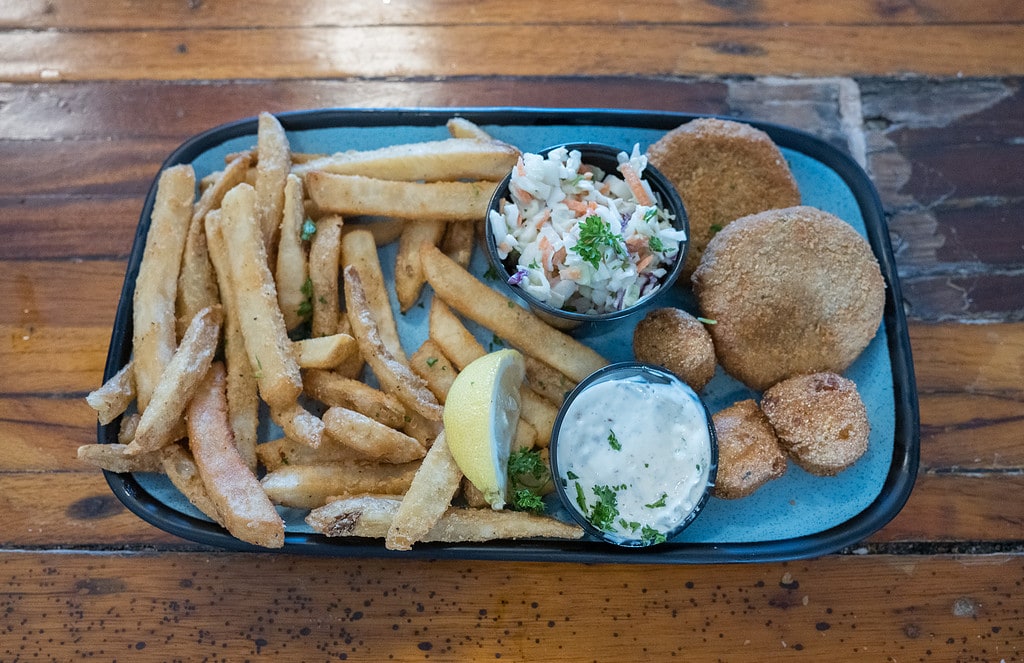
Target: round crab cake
722	170
677	341
791	291
820	421
749	454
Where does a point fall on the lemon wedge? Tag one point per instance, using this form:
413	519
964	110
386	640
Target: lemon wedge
480	417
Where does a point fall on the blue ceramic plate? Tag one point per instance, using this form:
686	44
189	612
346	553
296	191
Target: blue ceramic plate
797	516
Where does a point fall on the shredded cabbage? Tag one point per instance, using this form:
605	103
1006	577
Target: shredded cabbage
584	240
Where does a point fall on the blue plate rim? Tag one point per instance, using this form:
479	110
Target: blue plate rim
895	491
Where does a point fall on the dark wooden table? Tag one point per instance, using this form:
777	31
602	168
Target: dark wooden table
926	95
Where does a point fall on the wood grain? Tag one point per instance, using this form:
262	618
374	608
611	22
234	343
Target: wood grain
97	14
926	95
496	50
130	606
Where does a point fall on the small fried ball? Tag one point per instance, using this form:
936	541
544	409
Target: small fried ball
677	341
749	454
820	419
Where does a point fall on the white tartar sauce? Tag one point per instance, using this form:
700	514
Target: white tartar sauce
634	457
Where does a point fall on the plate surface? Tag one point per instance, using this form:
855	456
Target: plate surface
797	516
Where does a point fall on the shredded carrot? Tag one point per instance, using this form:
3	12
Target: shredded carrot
633	180
523	195
643	263
542	219
520	167
577	206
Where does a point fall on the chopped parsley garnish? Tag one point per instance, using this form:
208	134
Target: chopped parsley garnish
431	361
525	499
650	214
308	230
606	509
650	536
655	243
528	475
707	321
305	310
715	227
614	441
595	235
572	475
658	503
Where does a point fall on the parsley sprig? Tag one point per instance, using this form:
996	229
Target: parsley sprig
595	236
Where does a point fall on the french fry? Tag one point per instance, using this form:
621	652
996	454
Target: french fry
421	429
309	486
409	278
460	127
114	458
458	242
336	390
429	495
271	356
292	267
324	262
359	250
272	167
370	437
358	195
352	367
430	363
180	468
461	347
154	324
115	395
126	432
197	285
237	495
285	451
427	161
371	516
242	391
463	292
324	351
160	421
546	381
394	376
384	230
451	336
298	423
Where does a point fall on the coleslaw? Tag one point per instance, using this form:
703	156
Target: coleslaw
584	240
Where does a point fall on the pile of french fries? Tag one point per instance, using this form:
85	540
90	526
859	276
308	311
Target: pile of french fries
266	293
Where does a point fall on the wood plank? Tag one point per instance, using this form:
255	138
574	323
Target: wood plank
495	50
951	358
106	110
960	507
83	512
236	607
34	295
42	360
97	14
43	434
964	431
62	228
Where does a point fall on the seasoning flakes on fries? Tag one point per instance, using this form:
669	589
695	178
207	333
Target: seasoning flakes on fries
266	292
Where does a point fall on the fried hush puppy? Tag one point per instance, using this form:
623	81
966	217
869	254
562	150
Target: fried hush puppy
749	454
792	291
677	341
820	421
723	170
